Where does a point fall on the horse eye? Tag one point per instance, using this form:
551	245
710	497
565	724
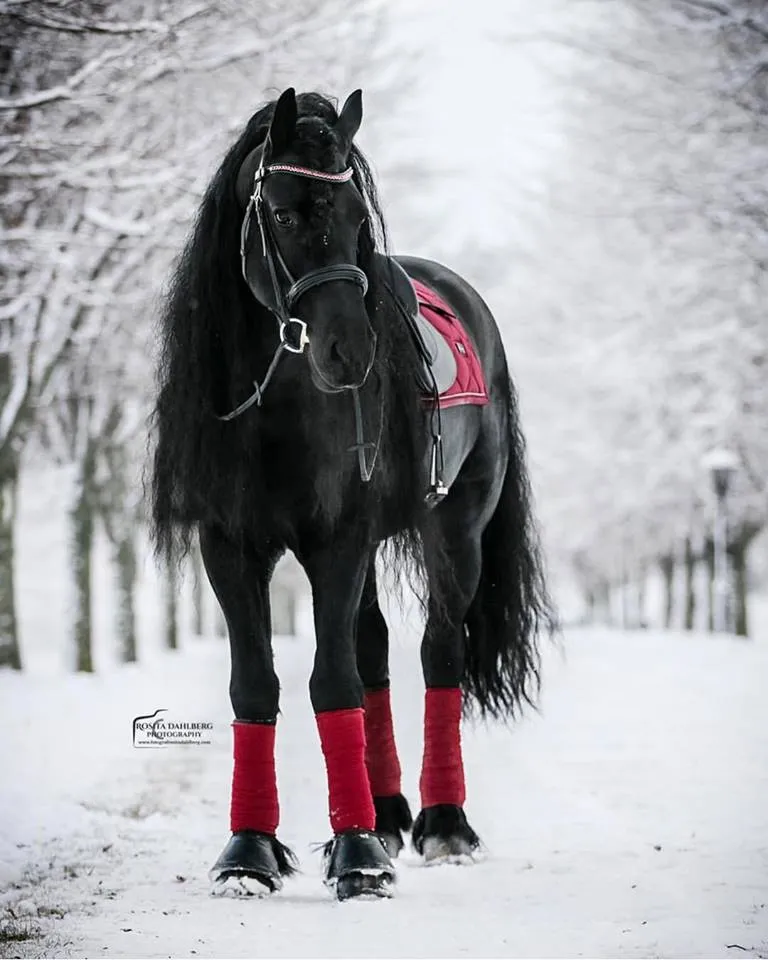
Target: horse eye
284	217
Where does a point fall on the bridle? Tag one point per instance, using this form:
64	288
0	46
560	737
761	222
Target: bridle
285	300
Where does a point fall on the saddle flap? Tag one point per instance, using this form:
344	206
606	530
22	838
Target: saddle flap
399	283
442	360
436	353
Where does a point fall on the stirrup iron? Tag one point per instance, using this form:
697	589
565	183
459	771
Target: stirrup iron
437	488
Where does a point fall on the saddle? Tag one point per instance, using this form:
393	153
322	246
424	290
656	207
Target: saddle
450	373
439	367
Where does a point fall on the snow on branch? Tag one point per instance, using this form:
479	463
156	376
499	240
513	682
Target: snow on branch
167	67
64	91
72	25
709	6
210	62
599	51
726	11
101	187
14	403
44	171
52	19
129	228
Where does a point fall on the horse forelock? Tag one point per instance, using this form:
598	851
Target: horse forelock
317	144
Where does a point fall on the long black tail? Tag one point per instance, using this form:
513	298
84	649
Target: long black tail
512	607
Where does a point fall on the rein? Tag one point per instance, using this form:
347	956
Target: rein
296	342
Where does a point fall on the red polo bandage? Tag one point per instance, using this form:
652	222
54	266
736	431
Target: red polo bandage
342	735
254	784
442	770
380	751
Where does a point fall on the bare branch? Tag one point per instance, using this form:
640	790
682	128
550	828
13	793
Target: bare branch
600	51
127	228
722	9
63	91
71	25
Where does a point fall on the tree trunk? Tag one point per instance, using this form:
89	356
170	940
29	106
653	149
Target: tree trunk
667	565
739	567
603	592
690	586
198	591
10	653
640	597
125	561
82	520
171	605
590	602
624	599
709	552
119	512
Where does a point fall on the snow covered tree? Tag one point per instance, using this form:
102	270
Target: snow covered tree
648	293
102	161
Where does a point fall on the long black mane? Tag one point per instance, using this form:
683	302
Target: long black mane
216	339
285	474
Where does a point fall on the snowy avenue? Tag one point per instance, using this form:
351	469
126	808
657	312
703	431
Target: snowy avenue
384	479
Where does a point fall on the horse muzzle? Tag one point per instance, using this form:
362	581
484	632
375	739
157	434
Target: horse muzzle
335	374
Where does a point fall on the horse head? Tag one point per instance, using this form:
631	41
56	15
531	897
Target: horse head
303	214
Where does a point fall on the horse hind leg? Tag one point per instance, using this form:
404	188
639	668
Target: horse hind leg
441	831
393	815
253	862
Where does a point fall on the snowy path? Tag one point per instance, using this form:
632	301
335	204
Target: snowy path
629	819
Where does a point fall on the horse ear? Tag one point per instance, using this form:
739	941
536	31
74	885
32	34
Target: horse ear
350	118
283	125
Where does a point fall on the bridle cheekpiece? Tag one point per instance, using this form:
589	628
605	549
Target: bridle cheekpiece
285	300
271	251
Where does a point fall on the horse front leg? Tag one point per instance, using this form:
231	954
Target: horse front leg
356	862
253	861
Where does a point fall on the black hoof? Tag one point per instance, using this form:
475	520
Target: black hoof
442	833
393	815
363	885
251	864
356	864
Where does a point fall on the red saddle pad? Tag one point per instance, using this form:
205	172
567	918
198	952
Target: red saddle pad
469	385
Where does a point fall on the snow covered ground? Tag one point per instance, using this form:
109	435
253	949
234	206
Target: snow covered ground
629	818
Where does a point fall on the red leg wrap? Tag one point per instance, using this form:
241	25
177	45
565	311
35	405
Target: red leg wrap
254	785
380	751
342	735
442	770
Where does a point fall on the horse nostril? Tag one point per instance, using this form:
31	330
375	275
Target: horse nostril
336	355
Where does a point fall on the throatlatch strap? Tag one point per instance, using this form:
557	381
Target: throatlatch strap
342	735
254	784
442	769
381	757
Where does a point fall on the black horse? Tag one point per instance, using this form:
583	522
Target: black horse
292	414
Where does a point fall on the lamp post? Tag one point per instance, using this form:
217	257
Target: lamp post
721	464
